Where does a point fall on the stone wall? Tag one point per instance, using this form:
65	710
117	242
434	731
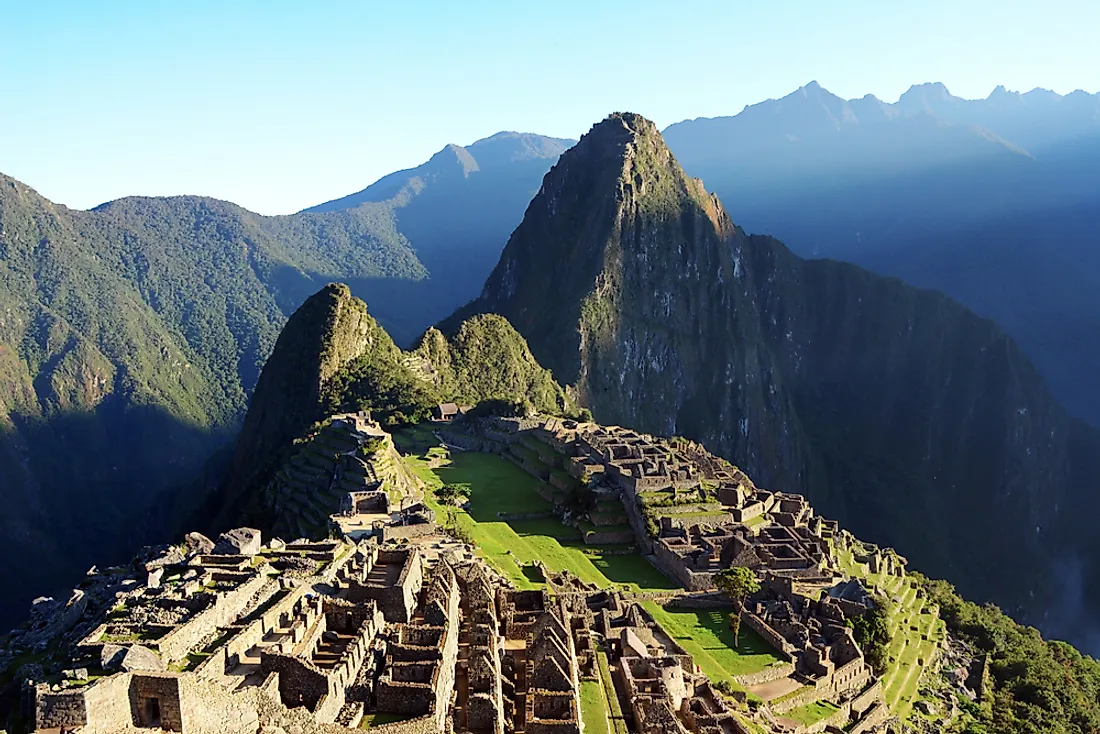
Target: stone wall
55	709
878	714
598	537
770	636
318	625
184	702
681	522
108	702
674	566
770	673
867	698
836	720
397	532
209	708
225	658
805	696
420	725
407	697
156	696
300	682
708	600
227	607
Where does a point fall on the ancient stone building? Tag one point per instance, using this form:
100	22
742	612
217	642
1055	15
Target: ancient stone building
390	576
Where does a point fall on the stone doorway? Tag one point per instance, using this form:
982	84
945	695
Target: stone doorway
151	713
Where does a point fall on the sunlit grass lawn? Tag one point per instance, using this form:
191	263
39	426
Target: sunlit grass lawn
594	707
811	713
498	485
371	719
707	636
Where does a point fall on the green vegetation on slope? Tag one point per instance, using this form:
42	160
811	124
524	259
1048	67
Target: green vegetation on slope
913	632
132	334
1039	686
487	359
333	356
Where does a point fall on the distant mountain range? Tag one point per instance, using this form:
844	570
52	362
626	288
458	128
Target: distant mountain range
996	202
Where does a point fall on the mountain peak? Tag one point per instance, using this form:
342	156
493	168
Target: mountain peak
617	123
508	146
929	89
930	98
453	158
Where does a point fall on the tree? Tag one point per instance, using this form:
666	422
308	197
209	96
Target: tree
737	583
872	633
453	494
450	496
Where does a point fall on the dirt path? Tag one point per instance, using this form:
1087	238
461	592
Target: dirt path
773	689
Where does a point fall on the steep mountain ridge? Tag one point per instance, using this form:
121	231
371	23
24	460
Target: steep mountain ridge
895	410
457	211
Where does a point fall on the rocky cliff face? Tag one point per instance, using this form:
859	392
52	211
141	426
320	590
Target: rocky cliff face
897	411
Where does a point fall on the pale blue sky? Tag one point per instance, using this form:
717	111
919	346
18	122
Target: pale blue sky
281	105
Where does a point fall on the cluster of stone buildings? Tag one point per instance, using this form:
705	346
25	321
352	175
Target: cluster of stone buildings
410	631
696	515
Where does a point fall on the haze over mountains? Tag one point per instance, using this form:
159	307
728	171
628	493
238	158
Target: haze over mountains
994	201
133	334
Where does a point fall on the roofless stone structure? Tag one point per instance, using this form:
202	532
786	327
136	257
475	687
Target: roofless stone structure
414	632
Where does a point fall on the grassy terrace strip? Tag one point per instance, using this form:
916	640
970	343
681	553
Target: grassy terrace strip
372	719
706	635
594	707
618	723
498	485
811	713
907	646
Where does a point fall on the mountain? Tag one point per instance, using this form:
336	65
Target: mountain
457	211
983	199
333	357
132	335
911	420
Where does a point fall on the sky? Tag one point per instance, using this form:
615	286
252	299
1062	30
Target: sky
282	105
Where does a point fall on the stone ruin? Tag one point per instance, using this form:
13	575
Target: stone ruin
229	634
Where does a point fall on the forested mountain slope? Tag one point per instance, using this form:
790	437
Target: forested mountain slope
131	335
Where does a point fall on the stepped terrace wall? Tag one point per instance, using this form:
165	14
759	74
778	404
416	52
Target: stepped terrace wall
227	607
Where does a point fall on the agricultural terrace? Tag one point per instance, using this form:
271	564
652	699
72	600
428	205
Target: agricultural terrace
916	632
499	486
